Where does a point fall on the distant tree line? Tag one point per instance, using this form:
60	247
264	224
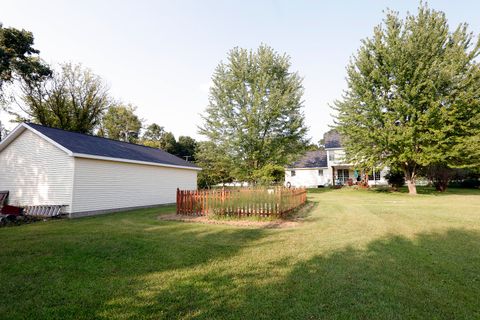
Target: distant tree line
412	104
72	97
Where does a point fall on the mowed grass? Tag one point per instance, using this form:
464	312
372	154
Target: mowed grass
358	255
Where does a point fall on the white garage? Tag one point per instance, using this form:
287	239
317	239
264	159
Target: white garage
88	174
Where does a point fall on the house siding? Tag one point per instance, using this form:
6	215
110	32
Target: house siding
307	177
101	185
336	158
36	172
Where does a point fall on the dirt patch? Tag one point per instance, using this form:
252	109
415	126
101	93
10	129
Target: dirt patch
291	222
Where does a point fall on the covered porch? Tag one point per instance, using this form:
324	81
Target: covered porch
348	175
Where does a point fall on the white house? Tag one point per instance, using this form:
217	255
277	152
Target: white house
88	174
328	167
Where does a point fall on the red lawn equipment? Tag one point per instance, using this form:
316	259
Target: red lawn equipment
8	213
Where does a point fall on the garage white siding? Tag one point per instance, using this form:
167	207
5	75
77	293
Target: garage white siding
106	185
36	172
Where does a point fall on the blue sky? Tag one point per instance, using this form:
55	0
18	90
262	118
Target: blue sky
160	55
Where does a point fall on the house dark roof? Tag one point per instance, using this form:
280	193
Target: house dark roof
332	139
98	146
312	159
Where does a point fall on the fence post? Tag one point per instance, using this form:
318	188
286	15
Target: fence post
260	202
223	200
178	202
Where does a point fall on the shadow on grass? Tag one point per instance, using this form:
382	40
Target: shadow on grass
434	276
320	190
425	190
71	269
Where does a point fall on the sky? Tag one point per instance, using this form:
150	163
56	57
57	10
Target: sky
160	55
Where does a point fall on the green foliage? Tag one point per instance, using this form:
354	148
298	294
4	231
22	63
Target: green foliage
153	132
18	59
74	98
186	147
255	111
439	174
165	141
413	95
121	123
216	165
466	178
155	136
269	174
470	183
168	143
395	178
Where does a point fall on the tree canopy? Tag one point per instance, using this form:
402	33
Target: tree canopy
413	95
121	123
155	136
18	59
153	132
216	166
186	147
255	111
74	98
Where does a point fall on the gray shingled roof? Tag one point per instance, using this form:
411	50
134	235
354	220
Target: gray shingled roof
312	159
332	139
98	146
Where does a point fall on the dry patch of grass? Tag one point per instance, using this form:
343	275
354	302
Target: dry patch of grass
238	222
293	220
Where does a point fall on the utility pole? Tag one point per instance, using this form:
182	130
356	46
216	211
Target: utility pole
186	157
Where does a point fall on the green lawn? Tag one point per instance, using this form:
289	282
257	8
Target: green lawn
358	255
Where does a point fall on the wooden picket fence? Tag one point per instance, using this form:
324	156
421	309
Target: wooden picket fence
263	202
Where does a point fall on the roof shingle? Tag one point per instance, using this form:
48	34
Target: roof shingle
98	146
332	139
312	159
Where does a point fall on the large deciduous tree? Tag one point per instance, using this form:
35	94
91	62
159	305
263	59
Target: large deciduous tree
153	132
19	62
121	123
18	59
74	98
186	147
255	111
413	96
155	136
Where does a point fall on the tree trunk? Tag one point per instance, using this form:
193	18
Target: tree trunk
441	185
410	177
412	188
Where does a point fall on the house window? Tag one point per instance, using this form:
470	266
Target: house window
342	175
374	176
293	173
331	156
320	172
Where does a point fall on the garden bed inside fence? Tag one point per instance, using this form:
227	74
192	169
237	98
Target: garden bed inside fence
240	202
